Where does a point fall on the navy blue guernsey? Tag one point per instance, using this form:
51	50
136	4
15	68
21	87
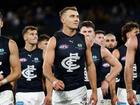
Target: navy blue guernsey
4	61
122	52
31	65
137	60
69	60
96	54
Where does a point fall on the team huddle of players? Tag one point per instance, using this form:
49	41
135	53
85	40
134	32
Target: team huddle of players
78	65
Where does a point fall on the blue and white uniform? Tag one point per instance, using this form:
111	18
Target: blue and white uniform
69	67
96	54
29	88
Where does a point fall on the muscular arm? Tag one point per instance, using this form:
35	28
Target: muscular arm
116	54
48	87
130	55
49	59
48	63
91	71
115	69
14	62
128	72
114	63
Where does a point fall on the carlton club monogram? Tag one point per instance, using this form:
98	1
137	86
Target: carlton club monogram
69	62
28	73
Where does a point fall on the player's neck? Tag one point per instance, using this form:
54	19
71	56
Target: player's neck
68	31
30	47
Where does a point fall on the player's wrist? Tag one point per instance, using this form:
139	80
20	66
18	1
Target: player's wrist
114	99
129	90
48	95
94	91
52	79
106	80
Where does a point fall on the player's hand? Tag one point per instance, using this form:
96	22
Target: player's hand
48	100
58	85
114	100
89	41
131	97
93	99
104	87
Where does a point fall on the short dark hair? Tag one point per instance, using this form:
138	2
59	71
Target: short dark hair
43	37
87	24
66	9
129	26
29	28
1	16
100	32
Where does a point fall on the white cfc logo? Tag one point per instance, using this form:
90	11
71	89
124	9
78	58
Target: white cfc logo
28	73
68	62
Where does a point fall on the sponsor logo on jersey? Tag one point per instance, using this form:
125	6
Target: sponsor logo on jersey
36	60
106	65
71	41
63	46
79	46
95	58
123	58
117	79
2	52
23	59
19	103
